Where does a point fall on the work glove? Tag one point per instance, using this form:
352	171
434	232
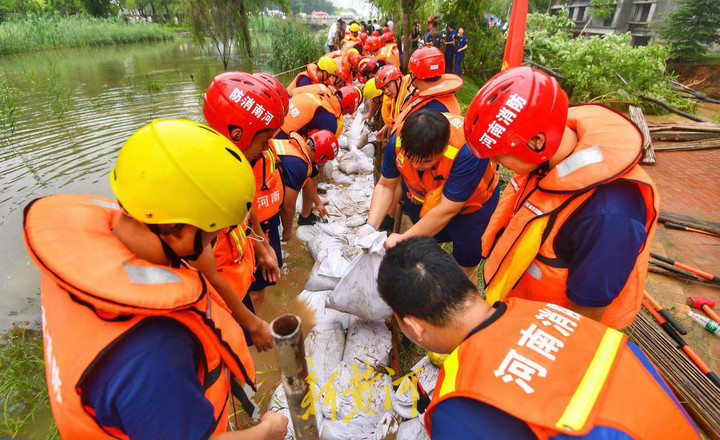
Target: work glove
366	230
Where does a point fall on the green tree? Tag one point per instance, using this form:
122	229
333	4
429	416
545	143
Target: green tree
100	8
692	28
220	21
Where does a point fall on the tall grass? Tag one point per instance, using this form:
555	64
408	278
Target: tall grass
294	44
23	389
8	108
57	31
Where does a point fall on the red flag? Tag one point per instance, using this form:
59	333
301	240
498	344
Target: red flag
516	35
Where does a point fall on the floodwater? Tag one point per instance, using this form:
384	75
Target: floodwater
75	108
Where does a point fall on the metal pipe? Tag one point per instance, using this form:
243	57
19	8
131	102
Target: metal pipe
290	352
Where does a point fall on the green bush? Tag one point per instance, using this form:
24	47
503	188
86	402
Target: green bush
293	45
57	31
593	66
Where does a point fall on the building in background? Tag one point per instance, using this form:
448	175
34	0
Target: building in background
639	17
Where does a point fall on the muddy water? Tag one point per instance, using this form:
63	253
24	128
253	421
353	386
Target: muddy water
75	108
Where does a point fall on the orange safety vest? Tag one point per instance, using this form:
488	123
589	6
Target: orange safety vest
520	238
313	89
269	189
350	43
560	373
295	146
428	188
310	72
388	110
303	107
235	258
390	54
421	92
95	291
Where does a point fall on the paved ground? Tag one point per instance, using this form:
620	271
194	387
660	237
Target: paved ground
689	183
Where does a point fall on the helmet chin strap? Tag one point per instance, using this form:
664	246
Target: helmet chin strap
175	259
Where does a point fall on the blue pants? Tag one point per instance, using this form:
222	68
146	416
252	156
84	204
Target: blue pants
458	62
274	238
449	61
464	230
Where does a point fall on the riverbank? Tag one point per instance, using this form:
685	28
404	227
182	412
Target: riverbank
57	31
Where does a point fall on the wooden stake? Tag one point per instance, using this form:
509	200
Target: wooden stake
636	115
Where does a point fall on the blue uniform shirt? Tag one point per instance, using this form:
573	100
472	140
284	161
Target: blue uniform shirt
321	120
295	171
460	42
450	37
147	384
597	272
303	81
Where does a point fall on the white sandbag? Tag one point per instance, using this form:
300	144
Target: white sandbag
359	428
342	178
327	171
353	164
324	346
411	430
343	142
334	265
306	233
278	403
323	241
317	282
357	292
368	150
368	342
387	426
336	230
356	220
371	394
315	301
372	136
427	377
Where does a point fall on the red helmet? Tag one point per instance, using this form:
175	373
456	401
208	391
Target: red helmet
350	98
372	44
238	105
275	85
325	145
390	36
430	20
354	59
385	30
376	34
366	66
427	62
511	108
363	36
385	74
342	71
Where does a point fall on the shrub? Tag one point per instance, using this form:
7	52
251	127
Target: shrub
293	45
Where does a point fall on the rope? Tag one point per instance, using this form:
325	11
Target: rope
291	70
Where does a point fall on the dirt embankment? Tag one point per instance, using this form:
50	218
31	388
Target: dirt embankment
702	77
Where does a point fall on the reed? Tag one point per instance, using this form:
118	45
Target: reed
59	31
293	45
8	109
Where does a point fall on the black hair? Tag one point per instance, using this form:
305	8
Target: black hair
424	134
418	278
451	25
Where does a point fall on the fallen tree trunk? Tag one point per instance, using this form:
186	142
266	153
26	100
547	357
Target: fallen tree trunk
690	146
672	109
697	94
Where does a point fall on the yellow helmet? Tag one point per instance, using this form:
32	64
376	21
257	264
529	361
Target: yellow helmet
354	27
353	50
370	91
327	64
179	171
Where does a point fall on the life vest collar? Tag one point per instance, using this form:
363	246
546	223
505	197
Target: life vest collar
608	147
448	83
71	237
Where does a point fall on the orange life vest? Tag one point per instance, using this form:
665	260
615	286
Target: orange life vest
334	53
412	96
269	189
390	54
388	110
95	291
313	89
351	42
520	238
310	72
303	107
296	147
235	258
560	373
428	188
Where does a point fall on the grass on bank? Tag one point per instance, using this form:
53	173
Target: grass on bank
24	401
58	31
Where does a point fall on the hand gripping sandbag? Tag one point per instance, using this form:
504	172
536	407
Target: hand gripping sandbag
357	293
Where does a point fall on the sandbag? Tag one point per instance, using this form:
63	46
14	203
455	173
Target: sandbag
371	395
278	403
356	163
315	301
334	265
359	428
357	292
387	426
323	242
427	377
324	346
306	233
356	220
327	171
411	430
368	150
318	282
342	178
368	342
